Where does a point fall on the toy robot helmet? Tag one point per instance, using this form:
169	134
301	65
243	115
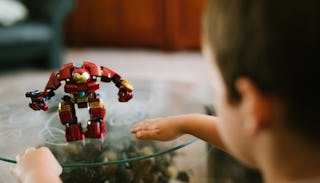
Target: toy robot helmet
80	75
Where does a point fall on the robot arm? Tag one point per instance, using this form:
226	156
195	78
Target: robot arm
39	98
125	91
125	88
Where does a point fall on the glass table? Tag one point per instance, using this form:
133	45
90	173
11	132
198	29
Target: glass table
119	156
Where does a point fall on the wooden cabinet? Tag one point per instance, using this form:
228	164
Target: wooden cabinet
169	24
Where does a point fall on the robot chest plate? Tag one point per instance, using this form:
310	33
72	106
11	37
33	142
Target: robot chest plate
89	87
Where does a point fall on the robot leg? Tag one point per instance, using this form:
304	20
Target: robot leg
73	129
96	127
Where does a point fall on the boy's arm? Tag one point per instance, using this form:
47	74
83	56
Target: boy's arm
203	127
37	166
169	128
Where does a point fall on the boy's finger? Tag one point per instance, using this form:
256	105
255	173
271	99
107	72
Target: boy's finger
19	157
134	129
144	125
30	149
146	135
137	126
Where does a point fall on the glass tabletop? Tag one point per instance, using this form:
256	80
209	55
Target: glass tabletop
21	127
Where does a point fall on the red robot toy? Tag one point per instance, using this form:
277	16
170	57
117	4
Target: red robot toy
81	83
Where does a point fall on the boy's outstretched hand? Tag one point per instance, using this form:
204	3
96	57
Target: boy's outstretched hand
199	125
157	129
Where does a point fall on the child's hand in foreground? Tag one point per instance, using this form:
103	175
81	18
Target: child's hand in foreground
157	129
37	165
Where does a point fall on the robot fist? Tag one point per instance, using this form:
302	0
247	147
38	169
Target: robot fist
125	91
38	102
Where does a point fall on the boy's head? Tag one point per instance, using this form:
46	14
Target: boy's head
276	46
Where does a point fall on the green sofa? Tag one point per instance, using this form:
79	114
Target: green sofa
36	41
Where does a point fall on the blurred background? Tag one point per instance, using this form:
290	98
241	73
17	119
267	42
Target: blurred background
36	32
166	24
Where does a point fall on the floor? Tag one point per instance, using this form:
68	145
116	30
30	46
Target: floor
154	65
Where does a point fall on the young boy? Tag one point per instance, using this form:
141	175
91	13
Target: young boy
264	55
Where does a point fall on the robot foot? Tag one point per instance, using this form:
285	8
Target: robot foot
95	129
74	132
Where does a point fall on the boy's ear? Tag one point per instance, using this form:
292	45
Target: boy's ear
255	106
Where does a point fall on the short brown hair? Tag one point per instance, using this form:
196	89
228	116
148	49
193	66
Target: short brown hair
277	45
